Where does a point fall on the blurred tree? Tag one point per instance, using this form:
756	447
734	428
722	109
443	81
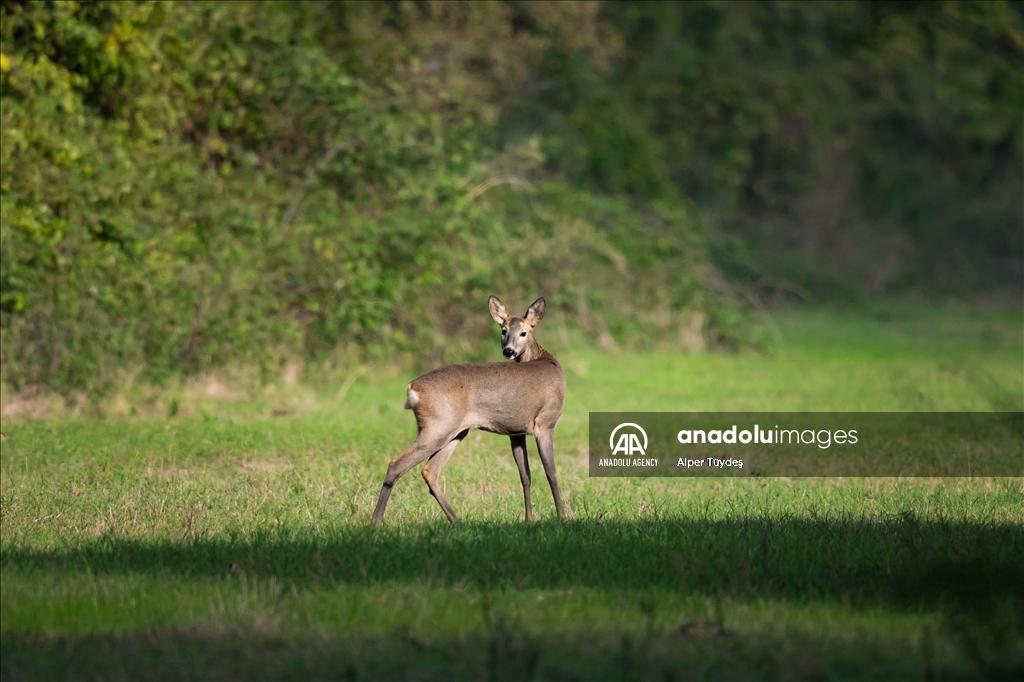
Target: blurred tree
191	184
851	146
184	185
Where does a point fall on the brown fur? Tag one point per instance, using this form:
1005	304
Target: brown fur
512	399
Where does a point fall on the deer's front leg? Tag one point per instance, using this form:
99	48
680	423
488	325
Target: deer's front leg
523	464
545	445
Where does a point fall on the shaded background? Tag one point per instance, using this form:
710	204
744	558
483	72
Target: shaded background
187	186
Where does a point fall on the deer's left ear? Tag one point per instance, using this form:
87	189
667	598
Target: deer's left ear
536	312
497	310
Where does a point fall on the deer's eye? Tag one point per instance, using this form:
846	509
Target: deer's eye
504	331
522	334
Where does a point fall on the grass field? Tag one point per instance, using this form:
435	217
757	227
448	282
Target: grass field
226	542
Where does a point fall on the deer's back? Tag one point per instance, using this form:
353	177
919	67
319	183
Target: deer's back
503	397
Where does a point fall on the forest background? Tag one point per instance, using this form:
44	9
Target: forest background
192	186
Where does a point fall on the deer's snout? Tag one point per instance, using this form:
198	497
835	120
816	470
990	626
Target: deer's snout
508	351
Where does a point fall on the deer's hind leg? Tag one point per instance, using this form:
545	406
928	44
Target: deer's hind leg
426	445
432	471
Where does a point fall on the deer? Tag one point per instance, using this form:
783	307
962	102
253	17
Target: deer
515	399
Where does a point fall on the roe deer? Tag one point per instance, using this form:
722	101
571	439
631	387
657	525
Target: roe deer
513	399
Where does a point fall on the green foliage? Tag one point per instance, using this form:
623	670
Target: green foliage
188	185
852	147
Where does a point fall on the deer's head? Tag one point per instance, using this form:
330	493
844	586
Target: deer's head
517	342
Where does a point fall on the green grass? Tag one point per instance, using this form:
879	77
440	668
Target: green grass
233	544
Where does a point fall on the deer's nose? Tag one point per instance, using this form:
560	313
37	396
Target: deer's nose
509	352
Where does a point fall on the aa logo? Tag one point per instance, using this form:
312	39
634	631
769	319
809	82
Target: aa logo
628	442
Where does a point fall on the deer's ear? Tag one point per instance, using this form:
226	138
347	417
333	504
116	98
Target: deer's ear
497	310
536	312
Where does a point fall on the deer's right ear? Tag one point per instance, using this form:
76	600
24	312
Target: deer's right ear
497	310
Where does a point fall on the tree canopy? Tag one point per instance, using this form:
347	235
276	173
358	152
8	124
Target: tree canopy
184	185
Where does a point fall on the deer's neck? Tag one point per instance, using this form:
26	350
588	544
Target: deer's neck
534	351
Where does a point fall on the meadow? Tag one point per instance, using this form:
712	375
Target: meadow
225	533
